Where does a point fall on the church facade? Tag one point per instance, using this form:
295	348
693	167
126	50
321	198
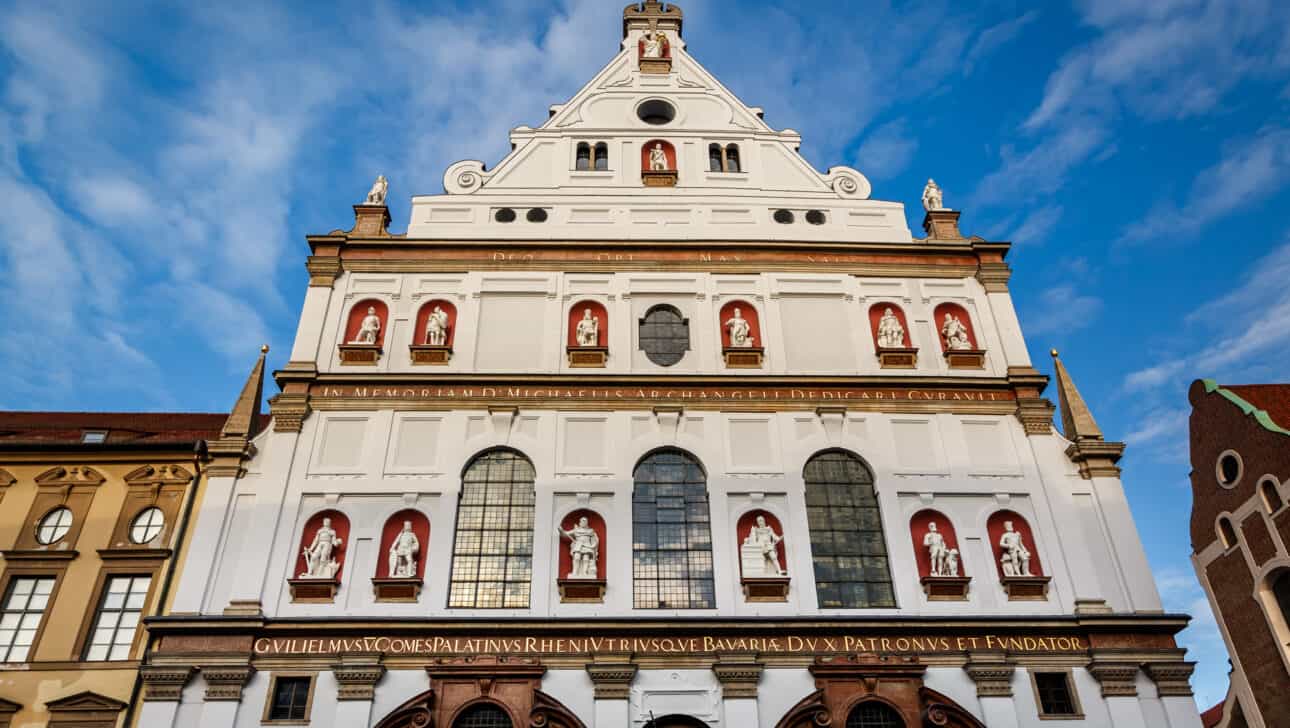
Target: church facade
652	424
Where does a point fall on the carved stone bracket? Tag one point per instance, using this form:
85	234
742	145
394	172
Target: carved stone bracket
581	591
992	674
587	357
430	354
994	276
225	682
357	676
396	590
360	354
164	682
743	357
323	270
965	358
1172	679
1118	679
612	675
738	676
289	411
898	358
946	588
1036	415
765	589
313	591
659	178
1026	588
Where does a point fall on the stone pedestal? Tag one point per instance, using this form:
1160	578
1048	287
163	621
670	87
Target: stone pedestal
942	225
581	591
656	65
1026	588
664	178
965	358
371	221
360	354
427	354
897	358
743	357
397	590
946	588
766	589
588	357
313	591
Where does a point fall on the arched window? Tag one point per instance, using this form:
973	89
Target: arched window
847	544
583	161
873	714
492	561
601	157
483	715
1272	500
1226	532
714	157
671	534
664	335
732	158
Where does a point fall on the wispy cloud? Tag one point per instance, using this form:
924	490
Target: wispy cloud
995	37
887	150
1062	310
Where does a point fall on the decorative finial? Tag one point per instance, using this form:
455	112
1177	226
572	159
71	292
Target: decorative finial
1053	352
264	349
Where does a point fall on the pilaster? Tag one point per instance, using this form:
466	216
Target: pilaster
164	682
992	672
1172	679
611	676
225	682
356	677
738	675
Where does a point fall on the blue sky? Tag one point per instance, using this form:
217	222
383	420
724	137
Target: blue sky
160	165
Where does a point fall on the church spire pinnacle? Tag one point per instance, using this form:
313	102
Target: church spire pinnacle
1095	456
245	416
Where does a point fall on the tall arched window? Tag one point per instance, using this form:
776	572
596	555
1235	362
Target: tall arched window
1226	533
602	157
873	714
1272	500
714	157
582	162
492	561
847	544
483	715
732	158
671	534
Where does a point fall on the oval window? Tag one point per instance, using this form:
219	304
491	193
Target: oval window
505	214
656	112
783	217
815	217
536	214
664	335
54	526
1229	469
147	525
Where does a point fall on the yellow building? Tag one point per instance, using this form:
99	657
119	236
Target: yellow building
94	509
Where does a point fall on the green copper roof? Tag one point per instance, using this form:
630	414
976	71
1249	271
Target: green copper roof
1259	415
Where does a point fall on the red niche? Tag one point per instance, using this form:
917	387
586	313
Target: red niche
744	527
598	312
957	311
394	526
423	317
994	528
356	315
667	150
748	312
597	524
339	524
667	47
918	529
875	315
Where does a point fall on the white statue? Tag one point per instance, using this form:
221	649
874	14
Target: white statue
740	330
934	542
584	549
588	331
654	43
376	196
320	559
952	562
955	333
657	158
1016	557
760	553
437	327
891	335
932	197
370	329
403	553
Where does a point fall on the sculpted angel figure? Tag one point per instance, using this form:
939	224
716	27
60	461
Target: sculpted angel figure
766	540
657	159
934	542
739	329
320	562
403	553
654	43
1016	557
588	331
376	196
437	327
955	333
584	549
891	335
933	198
370	329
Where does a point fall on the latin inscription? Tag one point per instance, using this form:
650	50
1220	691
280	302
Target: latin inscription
666	396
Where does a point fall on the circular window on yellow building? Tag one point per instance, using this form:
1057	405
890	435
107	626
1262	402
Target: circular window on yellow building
54	526
147	525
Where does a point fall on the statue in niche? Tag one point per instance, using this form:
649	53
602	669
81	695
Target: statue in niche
955	333
588	331
740	330
370	329
584	549
403	553
654	44
320	559
934	542
759	554
933	198
657	158
437	327
1016	557
891	335
952	562
376	196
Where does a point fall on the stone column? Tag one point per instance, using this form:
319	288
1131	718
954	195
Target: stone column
739	675
1173	684
224	685
356	678
163	686
1119	690
612	677
992	673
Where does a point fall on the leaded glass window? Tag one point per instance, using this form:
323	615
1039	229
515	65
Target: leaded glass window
872	714
492	562
484	715
118	618
671	534
664	335
847	543
1055	698
290	698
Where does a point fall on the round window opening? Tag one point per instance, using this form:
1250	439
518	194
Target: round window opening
147	525
783	217
1229	469
537	214
54	526
656	112
505	214
815	217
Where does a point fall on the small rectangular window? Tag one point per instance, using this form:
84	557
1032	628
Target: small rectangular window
94	437
24	607
118	618
290	698
1055	694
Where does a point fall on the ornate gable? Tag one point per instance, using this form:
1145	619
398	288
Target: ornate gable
158	475
84	710
72	475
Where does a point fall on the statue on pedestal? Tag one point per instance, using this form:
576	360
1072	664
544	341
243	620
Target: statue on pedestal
369	329
403	553
588	331
955	333
320	561
437	327
376	196
933	198
657	158
934	542
1016	557
584	549
759	554
952	562
740	330
654	44
891	335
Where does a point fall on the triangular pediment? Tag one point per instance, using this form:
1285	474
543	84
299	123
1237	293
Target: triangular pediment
70	475
86	701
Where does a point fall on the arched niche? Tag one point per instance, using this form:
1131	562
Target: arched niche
579	589
761	584
666	49
423	322
400	588
972	357
589	353
904	356
656	177
943	586
1021	587
746	355
307	588
353	350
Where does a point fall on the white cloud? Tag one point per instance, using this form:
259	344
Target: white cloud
1042	170
886	151
1037	225
1153	376
995	37
1062	310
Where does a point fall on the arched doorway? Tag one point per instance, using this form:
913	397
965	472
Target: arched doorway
870	691
873	714
484	692
483	715
676	721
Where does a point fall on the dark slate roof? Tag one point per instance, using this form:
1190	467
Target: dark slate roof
124	429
